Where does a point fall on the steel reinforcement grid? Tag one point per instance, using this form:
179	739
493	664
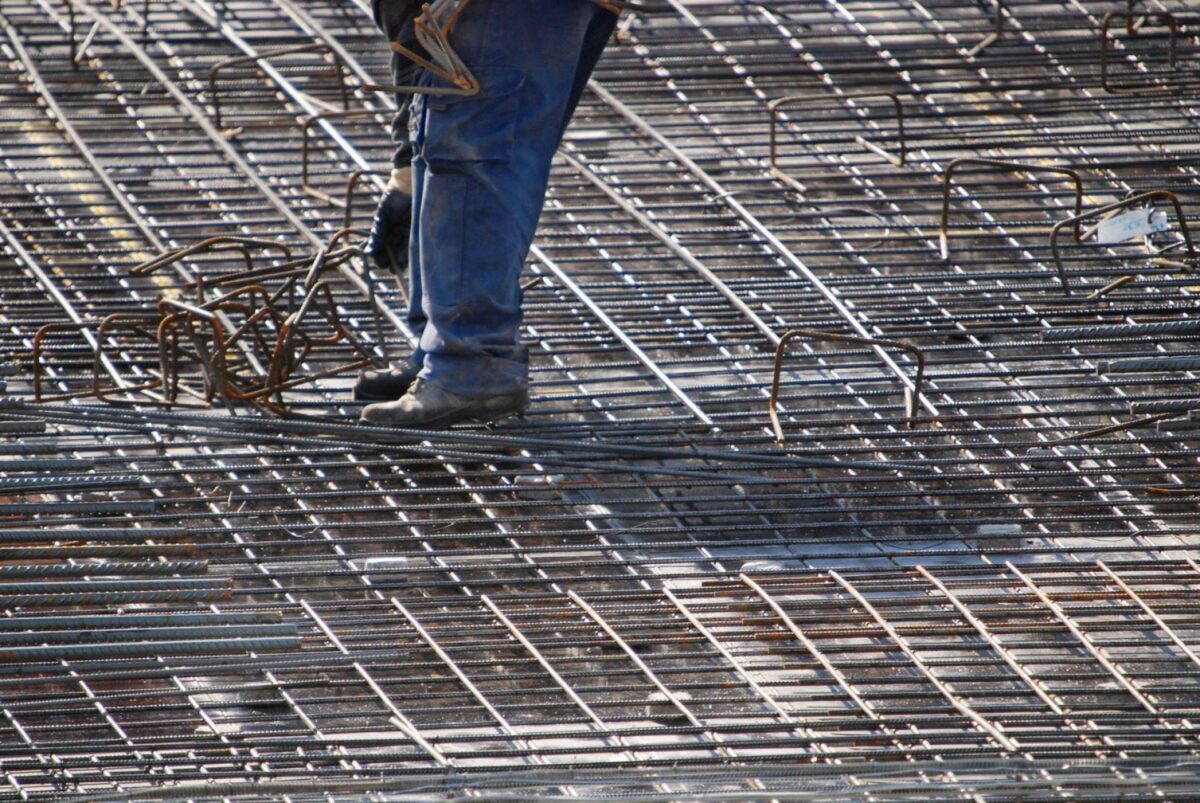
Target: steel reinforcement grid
862	461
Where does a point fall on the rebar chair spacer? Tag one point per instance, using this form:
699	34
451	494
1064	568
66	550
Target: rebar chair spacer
1005	165
339	71
1103	211
306	126
352	182
139	324
144	325
36	357
912	393
211	244
1175	25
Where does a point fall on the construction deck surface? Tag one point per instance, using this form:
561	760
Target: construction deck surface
967	570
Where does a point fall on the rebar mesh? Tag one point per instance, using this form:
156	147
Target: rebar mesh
971	582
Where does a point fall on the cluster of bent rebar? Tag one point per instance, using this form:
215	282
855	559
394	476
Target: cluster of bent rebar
247	341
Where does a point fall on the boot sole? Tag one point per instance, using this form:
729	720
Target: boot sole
459	416
485	418
498	417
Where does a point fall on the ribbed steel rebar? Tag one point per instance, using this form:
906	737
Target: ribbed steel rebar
632	583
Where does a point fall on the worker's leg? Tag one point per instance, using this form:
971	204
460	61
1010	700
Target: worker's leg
389	245
485	162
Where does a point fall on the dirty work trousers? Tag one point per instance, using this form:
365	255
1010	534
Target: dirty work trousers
480	169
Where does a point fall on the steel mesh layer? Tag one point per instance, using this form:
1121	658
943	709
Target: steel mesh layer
963	567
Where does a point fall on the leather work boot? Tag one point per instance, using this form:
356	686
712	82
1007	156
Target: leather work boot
429	406
388	384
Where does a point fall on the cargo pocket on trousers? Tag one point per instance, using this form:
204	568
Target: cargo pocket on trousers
444	233
479	128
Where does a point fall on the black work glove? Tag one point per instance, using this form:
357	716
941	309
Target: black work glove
388	244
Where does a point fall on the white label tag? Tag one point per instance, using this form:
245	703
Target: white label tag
1130	225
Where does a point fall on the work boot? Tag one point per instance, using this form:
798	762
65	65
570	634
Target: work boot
430	406
389	384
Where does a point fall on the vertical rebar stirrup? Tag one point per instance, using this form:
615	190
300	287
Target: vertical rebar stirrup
1174	25
1100	212
911	395
1011	167
265	55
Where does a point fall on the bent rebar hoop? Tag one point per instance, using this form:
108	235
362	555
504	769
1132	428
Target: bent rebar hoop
1132	201
432	28
322	48
1010	167
912	397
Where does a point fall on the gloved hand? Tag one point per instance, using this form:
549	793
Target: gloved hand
388	243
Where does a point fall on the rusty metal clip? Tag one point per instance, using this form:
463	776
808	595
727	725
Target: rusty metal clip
1012	167
1133	200
911	395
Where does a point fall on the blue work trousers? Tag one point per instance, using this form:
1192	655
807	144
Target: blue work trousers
480	169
